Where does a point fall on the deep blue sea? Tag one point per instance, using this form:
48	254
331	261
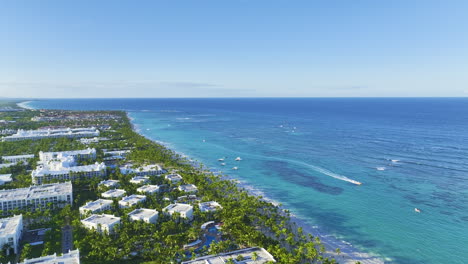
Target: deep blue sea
305	153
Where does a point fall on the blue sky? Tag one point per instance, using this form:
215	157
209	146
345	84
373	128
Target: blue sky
233	48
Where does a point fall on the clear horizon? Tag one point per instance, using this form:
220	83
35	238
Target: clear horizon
212	49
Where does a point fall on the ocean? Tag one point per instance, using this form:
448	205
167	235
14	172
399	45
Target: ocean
308	153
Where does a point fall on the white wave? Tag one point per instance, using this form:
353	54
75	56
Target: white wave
26	105
380	168
394	160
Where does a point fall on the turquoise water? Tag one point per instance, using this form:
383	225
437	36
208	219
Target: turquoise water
306	154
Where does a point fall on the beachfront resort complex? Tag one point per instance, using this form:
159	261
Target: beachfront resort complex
52	133
99	189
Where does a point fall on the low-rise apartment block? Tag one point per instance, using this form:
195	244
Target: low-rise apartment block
114	193
185	210
129	201
11	229
101	223
143	214
96	206
174	178
148	189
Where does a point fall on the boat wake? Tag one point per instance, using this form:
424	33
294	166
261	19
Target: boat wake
331	174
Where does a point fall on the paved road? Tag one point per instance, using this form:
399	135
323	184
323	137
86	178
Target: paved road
67	239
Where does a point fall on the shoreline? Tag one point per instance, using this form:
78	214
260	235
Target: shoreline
349	254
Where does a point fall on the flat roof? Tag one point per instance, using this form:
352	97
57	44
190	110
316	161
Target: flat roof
103	219
209	206
143	213
134	198
173	176
114	192
72	257
178	207
148	188
109	182
72	152
94	205
26	156
36	191
5	177
188	188
8	225
263	256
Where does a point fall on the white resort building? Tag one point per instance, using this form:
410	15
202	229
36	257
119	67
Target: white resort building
38	196
109	183
17	158
116	154
190	188
85	154
72	257
63	166
11	229
209	206
143	214
248	255
140	180
5	178
148	170
52	133
101	223
96	206
114	193
185	210
148	189
173	178
88	141
65	170
129	201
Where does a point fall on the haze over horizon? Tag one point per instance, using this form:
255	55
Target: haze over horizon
88	49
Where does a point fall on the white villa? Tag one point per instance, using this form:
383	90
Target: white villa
148	170
185	210
262	256
109	183
139	180
209	206
17	158
148	189
52	133
173	178
114	193
10	232
129	201
5	178
101	223
143	214
37	196
190	188
96	206
72	257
